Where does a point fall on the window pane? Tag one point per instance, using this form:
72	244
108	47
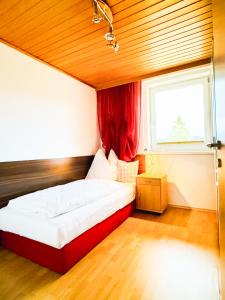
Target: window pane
179	113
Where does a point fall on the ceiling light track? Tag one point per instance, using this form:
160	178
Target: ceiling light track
103	12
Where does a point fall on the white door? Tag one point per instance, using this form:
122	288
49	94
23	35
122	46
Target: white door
219	123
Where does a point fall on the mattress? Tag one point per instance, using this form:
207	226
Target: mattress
60	230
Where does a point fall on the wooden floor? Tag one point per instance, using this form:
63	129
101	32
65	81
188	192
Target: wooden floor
168	257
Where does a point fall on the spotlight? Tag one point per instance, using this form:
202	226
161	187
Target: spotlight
96	19
109	36
115	46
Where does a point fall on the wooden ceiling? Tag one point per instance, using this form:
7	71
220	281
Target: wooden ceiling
154	35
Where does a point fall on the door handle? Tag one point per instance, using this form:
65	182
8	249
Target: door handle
217	145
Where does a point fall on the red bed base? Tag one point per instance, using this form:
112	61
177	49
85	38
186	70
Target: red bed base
61	260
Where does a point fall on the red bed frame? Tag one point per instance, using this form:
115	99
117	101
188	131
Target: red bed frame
61	260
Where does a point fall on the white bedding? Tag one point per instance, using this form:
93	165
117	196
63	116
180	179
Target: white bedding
61	199
59	230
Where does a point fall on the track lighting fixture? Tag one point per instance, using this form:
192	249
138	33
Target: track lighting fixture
103	11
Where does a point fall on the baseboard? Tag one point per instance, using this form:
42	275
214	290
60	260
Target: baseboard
192	208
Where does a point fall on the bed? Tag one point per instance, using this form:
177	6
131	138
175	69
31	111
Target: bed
60	241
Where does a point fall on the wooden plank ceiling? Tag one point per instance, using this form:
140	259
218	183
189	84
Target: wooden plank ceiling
154	35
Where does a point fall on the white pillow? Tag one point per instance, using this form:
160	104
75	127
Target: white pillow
101	168
113	158
127	171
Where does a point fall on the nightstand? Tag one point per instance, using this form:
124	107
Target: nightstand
151	192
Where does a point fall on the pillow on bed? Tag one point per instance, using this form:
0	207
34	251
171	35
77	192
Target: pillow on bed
113	158
101	168
127	171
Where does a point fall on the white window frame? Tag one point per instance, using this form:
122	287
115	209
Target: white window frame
148	136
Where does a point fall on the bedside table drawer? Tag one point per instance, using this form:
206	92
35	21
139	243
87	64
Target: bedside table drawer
149	181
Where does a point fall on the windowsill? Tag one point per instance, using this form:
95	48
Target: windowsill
180	143
177	152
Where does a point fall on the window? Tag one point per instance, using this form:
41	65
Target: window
178	112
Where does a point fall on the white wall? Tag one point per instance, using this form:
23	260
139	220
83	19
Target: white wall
190	177
43	112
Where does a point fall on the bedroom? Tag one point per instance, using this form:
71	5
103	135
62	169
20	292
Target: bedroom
78	81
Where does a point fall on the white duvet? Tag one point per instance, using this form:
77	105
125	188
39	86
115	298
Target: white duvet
59	230
61	199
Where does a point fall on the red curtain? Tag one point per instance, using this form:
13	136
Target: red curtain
119	110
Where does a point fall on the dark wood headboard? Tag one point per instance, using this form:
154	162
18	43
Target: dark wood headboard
22	177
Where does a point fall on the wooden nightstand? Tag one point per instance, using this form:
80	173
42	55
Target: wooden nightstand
151	192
